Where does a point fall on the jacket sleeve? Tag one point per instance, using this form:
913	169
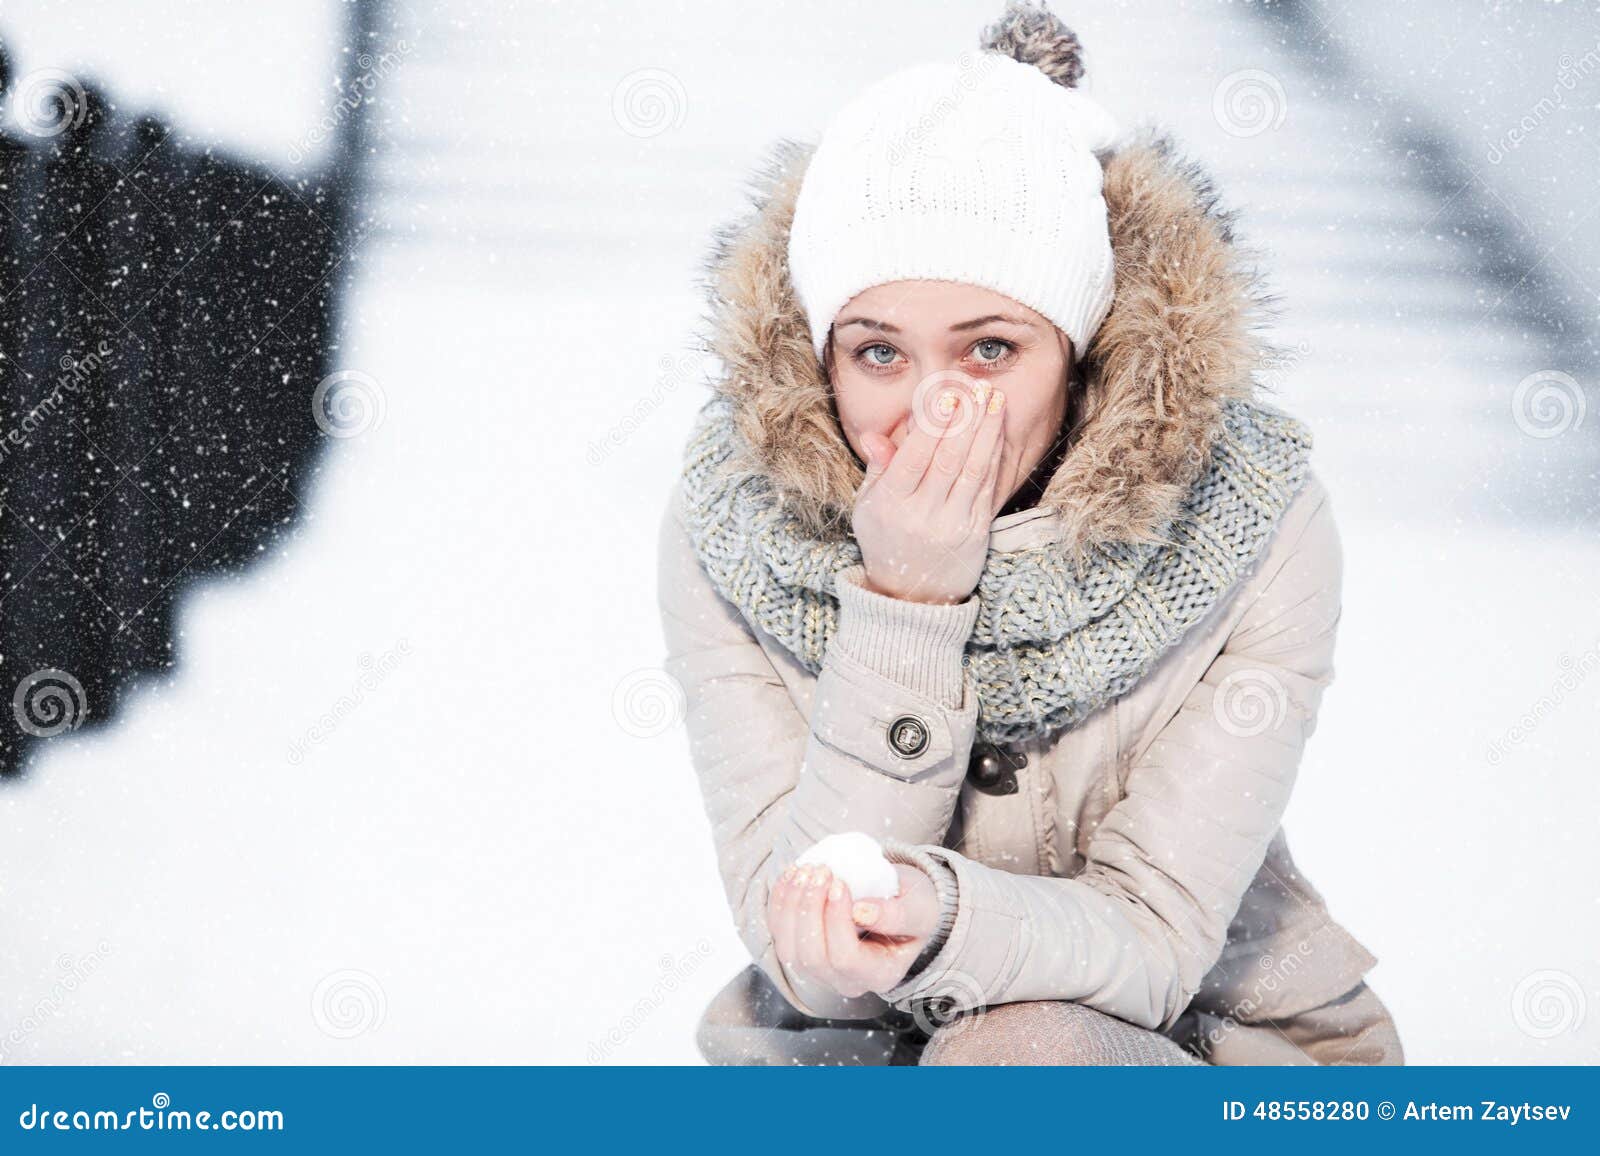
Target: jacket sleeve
1134	934
773	781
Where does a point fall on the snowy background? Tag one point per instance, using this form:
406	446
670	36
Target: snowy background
483	860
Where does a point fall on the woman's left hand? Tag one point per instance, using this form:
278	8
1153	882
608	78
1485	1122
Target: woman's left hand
851	947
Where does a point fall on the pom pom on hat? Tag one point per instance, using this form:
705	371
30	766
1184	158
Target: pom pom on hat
1037	36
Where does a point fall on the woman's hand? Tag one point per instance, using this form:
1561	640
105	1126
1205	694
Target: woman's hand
922	515
852	948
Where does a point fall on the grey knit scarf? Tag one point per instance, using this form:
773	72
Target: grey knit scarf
1053	641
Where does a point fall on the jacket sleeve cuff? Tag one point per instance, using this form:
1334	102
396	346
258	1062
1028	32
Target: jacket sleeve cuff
917	645
944	885
945	978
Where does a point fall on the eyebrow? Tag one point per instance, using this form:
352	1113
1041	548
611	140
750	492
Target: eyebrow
959	327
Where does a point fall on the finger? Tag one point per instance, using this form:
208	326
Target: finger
987	499
955	446
914	911
904	474
865	964
880	452
789	918
927	430
810	943
982	458
780	917
844	941
886	917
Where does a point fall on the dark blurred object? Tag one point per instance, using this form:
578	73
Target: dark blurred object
166	315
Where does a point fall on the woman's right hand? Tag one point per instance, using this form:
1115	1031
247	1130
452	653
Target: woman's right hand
922	515
851	948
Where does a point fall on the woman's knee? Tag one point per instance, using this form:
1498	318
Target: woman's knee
1051	1032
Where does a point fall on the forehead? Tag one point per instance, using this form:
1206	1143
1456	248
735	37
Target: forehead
929	305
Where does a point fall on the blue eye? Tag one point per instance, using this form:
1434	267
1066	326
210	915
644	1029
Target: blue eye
869	355
1001	349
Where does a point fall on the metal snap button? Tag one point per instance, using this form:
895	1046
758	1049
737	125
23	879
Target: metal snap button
908	736
993	769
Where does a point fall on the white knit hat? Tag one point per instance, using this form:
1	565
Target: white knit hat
980	170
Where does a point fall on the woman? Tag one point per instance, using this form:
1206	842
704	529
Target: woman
985	547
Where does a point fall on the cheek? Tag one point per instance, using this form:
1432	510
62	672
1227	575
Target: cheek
1031	425
868	410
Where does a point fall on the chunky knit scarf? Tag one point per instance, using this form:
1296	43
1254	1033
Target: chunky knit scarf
1054	640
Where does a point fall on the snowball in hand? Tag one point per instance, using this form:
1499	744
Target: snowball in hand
856	858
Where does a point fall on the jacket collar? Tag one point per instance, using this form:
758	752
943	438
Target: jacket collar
1024	528
1181	338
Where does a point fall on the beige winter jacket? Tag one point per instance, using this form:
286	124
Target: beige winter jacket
1141	865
